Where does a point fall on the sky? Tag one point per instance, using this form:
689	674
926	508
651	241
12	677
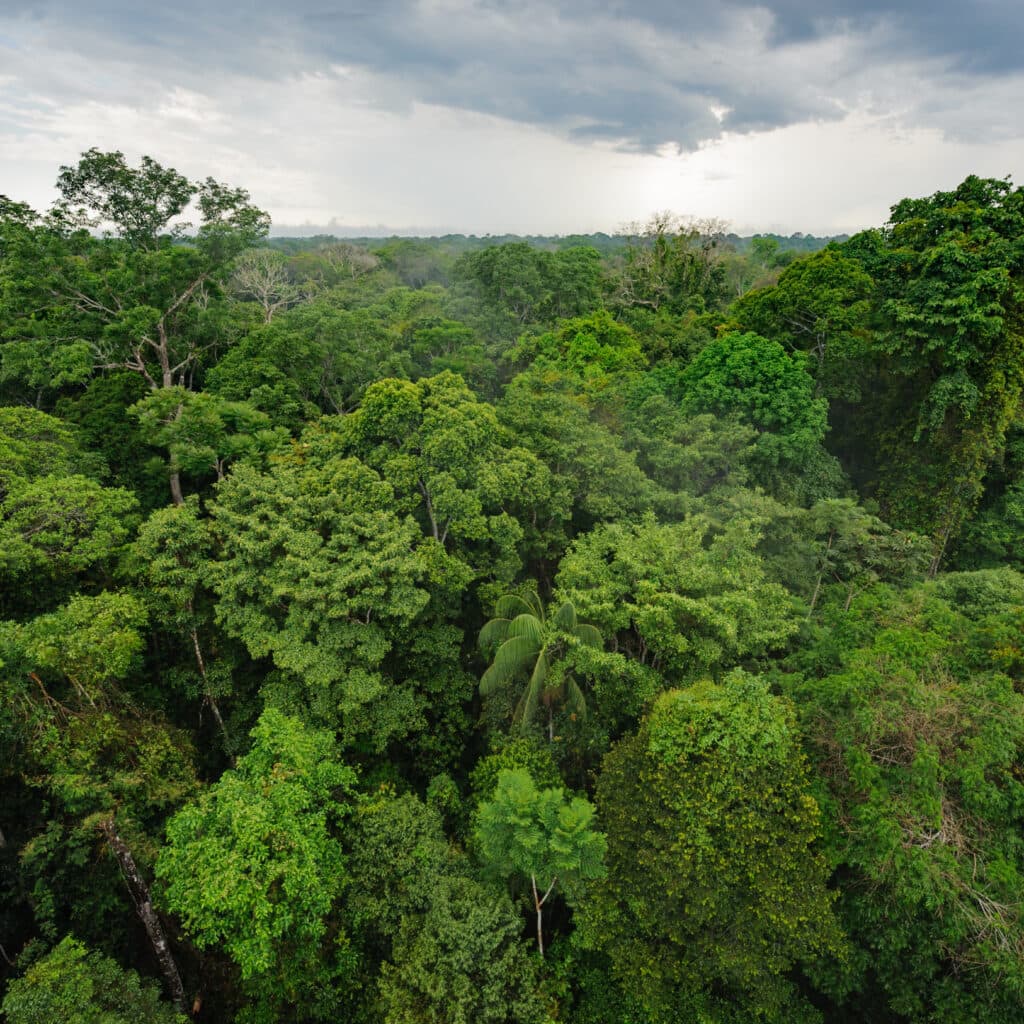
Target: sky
494	116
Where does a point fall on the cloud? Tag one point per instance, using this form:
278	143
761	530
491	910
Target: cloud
644	74
494	114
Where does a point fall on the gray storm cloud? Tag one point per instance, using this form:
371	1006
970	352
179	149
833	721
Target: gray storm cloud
642	75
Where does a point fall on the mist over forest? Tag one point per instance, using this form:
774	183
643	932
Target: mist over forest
601	629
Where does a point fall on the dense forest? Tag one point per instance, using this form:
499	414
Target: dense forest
604	630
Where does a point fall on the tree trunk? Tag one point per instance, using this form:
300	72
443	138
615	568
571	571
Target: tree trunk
139	891
817	584
176	495
210	699
538	904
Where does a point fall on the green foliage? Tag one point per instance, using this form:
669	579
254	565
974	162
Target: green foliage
856	549
715	888
319	572
770	390
684	598
315	355
91	641
33	445
691	455
592	351
539	834
462	962
398	854
525	285
524	642
949	270
61	525
377	503
672	265
511	753
820	305
255	867
203	433
453	464
75	985
916	734
594	478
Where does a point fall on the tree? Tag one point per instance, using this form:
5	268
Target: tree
170	561
137	302
911	707
203	433
254	866
313	357
715	887
820	304
686	598
62	532
672	262
262	276
111	771
462	962
594	477
860	549
527	285
33	444
756	380
322	570
346	260
541	836
690	455
592	352
950	276
76	985
522	641
453	464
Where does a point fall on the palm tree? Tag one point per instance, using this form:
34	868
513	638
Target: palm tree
524	642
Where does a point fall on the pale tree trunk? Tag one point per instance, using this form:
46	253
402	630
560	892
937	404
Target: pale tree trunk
139	891
538	903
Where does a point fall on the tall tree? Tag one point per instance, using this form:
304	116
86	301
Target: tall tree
715	887
255	867
541	836
950	324
137	302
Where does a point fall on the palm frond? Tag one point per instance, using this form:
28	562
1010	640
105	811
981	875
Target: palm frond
493	633
510	605
588	635
514	656
565	617
574	699
526	710
528	626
